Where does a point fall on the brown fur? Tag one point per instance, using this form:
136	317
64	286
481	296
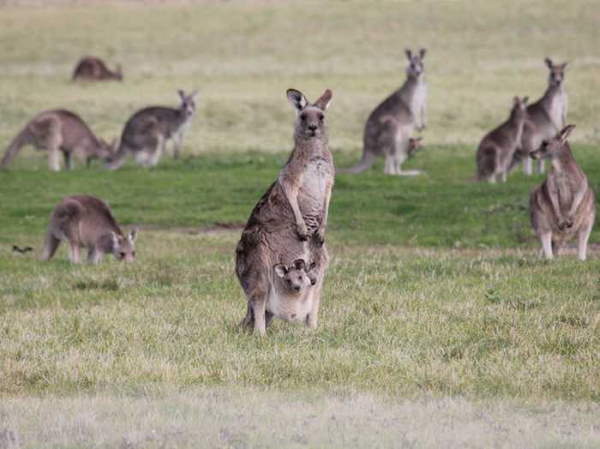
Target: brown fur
290	220
390	125
90	68
496	150
87	222
564	205
59	131
545	117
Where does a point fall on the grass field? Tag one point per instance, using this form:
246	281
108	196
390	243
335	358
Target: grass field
440	324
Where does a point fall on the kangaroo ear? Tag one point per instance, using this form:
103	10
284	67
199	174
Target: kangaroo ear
564	65
297	99
564	133
132	235
181	94
299	264
408	53
422	53
280	270
115	239
324	100
193	94
548	62
114	144
525	100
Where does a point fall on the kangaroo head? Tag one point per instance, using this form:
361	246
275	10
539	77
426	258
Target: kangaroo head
552	148
106	150
297	276
557	72
414	143
415	66
123	247
310	121
188	105
519	108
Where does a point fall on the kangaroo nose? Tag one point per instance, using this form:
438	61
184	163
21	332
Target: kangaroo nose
297	288
312	127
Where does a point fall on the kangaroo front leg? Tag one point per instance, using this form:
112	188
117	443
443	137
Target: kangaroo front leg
177	144
259	310
291	193
94	255
74	252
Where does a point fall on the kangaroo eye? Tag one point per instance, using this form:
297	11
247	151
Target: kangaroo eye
303	117
321	117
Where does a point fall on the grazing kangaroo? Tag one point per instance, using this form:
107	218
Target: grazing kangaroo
59	131
289	221
545	117
147	131
496	150
564	205
90	68
391	124
86	221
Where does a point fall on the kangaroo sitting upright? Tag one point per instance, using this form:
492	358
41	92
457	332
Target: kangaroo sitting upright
496	150
147	131
290	219
391	124
564	205
90	68
545	117
86	221
59	131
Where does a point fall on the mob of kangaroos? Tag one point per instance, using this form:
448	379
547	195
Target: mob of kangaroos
86	221
59	131
285	234
564	205
496	150
90	68
146	132
391	124
545	117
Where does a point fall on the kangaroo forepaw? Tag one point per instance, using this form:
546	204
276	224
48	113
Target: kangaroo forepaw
302	232
319	237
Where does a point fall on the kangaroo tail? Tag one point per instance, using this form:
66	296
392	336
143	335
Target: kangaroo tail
365	163
11	151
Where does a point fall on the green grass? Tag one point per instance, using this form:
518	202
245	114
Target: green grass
435	301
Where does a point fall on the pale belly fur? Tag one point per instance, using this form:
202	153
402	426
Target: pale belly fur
290	307
316	175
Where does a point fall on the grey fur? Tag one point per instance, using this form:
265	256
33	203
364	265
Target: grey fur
91	68
289	223
87	222
564	205
146	132
59	131
390	125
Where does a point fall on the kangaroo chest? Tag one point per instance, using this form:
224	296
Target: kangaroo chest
564	190
316	181
556	109
418	99
290	307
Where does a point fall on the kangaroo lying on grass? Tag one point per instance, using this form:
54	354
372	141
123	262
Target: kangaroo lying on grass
496	150
146	133
86	221
90	68
545	117
289	223
59	131
564	205
391	124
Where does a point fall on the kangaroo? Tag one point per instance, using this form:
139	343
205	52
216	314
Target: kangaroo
290	299
86	221
564	205
90	68
545	117
496	150
147	131
414	143
390	125
290	220
59	131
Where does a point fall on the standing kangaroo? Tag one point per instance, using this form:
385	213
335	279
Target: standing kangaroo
391	124
90	68
86	221
496	150
59	131
289	222
564	204
545	117
147	131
